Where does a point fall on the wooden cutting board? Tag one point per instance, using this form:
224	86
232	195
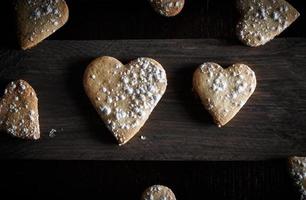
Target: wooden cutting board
271	125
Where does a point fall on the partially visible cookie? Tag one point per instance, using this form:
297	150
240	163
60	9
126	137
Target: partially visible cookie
168	8
298	171
158	192
124	95
19	111
262	20
38	19
223	92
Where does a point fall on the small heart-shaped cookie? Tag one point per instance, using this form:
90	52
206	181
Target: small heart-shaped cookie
19	111
168	8
298	171
124	95
262	20
158	192
223	92
38	19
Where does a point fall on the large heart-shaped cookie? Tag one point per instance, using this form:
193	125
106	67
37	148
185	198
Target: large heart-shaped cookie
124	95
168	8
262	20
158	192
19	111
223	92
298	172
38	19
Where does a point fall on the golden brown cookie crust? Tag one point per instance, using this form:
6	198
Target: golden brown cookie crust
38	19
297	167
158	192
124	95
223	92
19	111
168	8
262	20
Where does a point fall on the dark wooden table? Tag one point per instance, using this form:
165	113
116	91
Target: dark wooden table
270	125
266	178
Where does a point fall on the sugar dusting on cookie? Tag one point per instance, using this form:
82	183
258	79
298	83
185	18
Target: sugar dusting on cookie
37	19
158	192
19	111
218	81
224	92
138	86
128	94
298	172
263	20
47	9
168	8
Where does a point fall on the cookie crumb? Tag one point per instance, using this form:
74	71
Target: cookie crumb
143	138
52	133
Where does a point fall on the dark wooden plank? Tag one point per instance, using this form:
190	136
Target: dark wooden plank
271	125
104	19
127	180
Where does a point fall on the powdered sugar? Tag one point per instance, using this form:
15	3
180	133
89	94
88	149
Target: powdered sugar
130	99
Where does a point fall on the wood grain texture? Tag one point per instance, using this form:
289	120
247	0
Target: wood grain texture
270	125
127	180
106	19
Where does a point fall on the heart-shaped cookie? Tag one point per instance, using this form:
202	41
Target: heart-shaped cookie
223	92
158	192
124	95
38	19
262	20
298	171
168	8
19	111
